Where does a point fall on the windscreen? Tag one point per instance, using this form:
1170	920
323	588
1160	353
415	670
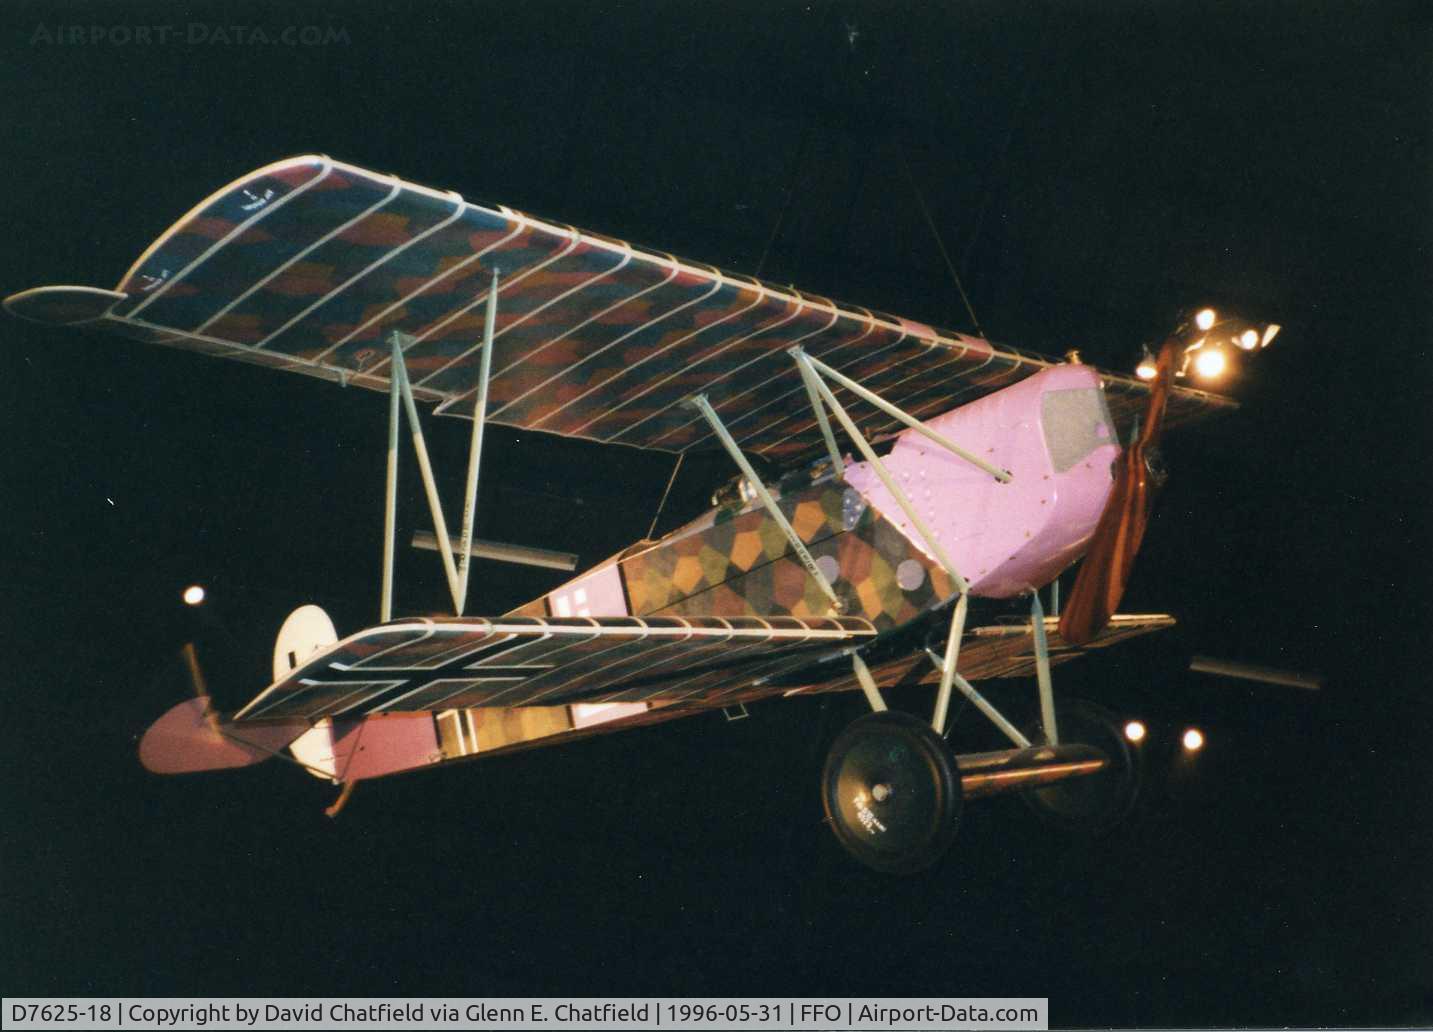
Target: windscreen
1076	422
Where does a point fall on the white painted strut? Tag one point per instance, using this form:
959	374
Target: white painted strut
400	387
390	494
724	435
475	449
812	371
1042	669
947	667
996	717
425	467
905	417
985	706
880	469
868	684
808	380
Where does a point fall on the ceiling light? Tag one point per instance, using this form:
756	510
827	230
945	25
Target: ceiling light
1209	363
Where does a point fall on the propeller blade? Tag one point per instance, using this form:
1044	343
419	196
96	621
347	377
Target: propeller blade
200	686
1102	578
193	736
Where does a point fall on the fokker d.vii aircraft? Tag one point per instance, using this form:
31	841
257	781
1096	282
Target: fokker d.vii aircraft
978	473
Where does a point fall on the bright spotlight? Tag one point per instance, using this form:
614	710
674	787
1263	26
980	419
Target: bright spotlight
1270	332
1193	740
1204	319
1146	370
1135	731
1210	363
1248	340
193	595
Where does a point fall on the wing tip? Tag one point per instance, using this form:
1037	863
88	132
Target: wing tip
63	305
317	165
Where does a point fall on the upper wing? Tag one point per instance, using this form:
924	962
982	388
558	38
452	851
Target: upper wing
309	263
431	665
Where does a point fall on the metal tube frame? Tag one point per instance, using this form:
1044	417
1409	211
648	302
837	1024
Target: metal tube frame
425	468
1002	475
475	448
719	428
808	381
1042	669
996	717
812	371
868	684
401	388
390	494
985	706
803	362
947	665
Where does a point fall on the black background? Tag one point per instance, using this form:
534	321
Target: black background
1092	169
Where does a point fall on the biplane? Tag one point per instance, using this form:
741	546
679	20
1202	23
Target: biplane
972	475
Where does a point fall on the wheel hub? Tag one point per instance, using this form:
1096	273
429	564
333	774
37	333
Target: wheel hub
891	792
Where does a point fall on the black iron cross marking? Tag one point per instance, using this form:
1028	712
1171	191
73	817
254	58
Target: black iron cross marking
412	679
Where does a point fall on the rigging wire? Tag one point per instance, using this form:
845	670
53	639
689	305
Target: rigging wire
812	41
939	242
663	503
1042	59
795	181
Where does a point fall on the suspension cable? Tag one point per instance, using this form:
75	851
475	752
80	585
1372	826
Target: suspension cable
939	242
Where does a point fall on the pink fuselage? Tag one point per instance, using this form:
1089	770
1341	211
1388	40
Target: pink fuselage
1053	433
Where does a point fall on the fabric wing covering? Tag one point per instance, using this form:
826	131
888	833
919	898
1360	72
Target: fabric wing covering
437	664
456	663
310	264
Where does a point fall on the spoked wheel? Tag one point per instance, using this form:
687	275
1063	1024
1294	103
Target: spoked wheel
1093	803
892	792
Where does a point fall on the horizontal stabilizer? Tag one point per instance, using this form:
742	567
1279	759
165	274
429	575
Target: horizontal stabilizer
190	738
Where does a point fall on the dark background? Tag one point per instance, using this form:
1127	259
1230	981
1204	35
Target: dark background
1092	169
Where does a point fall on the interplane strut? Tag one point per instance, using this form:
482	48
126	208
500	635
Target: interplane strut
401	388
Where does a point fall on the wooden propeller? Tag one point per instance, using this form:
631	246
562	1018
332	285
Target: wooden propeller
1110	558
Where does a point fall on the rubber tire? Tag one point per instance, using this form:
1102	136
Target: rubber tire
912	829
1096	803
